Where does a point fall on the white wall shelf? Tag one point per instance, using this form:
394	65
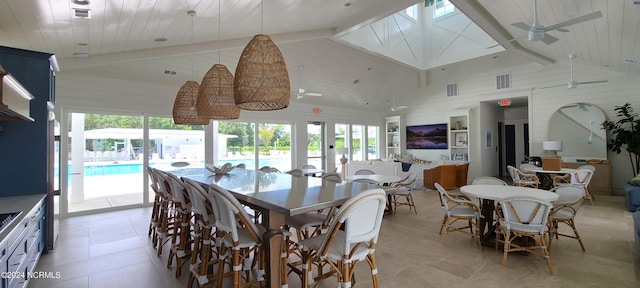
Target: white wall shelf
459	137
394	131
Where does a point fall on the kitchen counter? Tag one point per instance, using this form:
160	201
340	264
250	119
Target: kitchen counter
26	204
21	241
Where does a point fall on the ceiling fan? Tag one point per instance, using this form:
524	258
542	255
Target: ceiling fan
302	93
572	83
393	104
537	32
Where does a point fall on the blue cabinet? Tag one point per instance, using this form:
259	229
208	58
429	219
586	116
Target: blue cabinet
23	144
22	242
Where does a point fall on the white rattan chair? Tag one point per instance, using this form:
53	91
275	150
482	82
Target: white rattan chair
343	248
565	210
456	209
524	217
523	179
401	194
580	177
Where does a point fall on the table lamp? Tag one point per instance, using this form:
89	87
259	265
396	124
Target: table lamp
343	151
551	147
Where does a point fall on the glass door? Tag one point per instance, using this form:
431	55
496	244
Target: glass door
315	144
105	170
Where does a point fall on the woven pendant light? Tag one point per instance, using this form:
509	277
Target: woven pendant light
262	80
215	97
184	107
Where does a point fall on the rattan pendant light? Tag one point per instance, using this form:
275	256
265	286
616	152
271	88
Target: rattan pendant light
215	97
262	80
184	106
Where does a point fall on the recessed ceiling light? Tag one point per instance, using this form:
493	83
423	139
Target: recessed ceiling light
160	39
347	4
81	55
356	81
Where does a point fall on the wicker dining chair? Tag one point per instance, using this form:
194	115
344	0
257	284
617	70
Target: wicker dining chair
565	210
523	179
579	177
458	209
523	217
401	194
351	237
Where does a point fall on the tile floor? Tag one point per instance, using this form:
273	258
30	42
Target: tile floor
113	250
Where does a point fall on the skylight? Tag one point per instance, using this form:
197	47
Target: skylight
412	12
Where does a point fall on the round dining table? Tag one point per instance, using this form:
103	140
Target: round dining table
546	176
488	194
384	181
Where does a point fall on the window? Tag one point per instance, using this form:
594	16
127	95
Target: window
357	141
236	144
442	7
412	12
372	142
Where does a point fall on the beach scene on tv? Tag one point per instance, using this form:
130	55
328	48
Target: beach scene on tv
433	136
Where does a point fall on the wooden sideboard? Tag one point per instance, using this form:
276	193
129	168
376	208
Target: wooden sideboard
601	182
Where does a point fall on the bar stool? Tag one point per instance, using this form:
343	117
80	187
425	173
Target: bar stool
240	236
181	233
207	263
153	223
165	213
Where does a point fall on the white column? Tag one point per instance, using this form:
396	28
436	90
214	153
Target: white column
77	158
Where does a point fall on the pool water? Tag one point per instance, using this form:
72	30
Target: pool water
91	169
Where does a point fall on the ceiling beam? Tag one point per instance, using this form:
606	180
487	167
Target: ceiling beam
478	14
69	64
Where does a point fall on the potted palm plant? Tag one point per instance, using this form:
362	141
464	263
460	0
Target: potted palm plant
625	134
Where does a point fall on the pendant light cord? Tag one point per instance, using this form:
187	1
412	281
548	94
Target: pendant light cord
192	13
219	29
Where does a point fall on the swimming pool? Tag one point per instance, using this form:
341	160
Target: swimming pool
102	169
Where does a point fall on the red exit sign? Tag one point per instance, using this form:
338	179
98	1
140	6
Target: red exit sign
505	102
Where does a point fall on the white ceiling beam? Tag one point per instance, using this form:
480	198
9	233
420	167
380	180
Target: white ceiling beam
69	64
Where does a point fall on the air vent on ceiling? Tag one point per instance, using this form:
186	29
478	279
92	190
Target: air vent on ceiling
170	72
503	81
81	13
452	89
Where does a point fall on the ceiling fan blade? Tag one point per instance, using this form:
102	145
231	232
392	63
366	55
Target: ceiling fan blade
573	21
300	91
313	94
521	25
548	39
402	107
554	86
593	82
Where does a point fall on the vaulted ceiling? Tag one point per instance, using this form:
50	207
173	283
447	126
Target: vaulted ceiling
124	39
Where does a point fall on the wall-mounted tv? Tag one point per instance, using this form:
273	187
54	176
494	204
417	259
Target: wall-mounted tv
432	136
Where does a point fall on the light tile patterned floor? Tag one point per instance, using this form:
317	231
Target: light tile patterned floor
113	250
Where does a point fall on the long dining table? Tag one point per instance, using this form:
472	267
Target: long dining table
276	195
488	194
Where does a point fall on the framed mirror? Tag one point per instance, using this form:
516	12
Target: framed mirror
578	126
